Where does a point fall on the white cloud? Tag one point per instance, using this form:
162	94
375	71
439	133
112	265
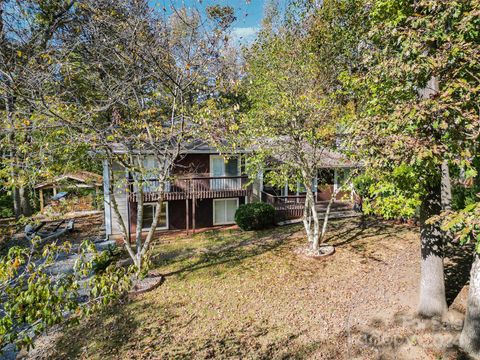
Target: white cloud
242	35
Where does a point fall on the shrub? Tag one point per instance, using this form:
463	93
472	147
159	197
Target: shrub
255	216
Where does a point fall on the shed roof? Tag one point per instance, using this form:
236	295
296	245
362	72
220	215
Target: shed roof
86	178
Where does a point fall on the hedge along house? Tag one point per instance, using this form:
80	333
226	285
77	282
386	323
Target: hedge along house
204	190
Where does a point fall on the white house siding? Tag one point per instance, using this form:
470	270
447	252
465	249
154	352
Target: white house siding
112	225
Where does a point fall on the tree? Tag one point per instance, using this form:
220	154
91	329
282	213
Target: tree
289	109
135	78
29	35
33	299
415	100
465	225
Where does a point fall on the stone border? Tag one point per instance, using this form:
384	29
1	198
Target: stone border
305	251
151	282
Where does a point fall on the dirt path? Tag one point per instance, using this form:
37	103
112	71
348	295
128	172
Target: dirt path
247	295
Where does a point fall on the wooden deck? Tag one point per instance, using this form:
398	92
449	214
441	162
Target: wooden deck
291	207
193	188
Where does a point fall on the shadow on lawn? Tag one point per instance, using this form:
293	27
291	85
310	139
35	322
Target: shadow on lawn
109	329
231	253
359	229
122	331
224	250
115	334
458	262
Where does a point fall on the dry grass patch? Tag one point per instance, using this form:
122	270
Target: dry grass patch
234	294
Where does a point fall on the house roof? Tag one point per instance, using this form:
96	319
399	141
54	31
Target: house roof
85	178
281	150
325	159
195	146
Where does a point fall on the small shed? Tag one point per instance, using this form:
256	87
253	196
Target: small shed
80	179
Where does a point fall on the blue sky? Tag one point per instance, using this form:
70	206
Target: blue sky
249	13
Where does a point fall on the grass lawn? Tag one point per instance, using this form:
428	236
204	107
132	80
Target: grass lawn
234	294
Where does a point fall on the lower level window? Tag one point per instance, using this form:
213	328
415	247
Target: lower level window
224	211
149	214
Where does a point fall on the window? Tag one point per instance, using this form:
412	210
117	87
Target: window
150	175
224	211
149	213
232	167
219	167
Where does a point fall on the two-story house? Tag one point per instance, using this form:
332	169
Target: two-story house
205	190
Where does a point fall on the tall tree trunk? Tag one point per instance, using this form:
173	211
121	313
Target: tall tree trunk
9	106
307	220
316	223
325	219
17	208
25	201
432	284
470	336
446	187
139	229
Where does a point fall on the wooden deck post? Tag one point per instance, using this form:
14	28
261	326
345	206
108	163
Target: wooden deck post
194	205
187	214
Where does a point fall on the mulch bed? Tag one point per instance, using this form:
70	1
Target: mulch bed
147	284
323	252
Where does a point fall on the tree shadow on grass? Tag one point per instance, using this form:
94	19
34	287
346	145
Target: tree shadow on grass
109	329
224	250
458	262
359	228
117	330
232	254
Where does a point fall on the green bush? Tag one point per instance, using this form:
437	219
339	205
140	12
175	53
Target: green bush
6	205
255	216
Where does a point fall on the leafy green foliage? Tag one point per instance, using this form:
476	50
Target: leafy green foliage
6	205
224	16
394	194
411	49
255	216
35	296
465	224
106	258
416	95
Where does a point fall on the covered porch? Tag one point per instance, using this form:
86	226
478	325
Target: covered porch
289	200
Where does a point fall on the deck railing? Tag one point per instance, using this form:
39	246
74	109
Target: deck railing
286	207
199	187
281	200
292	206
